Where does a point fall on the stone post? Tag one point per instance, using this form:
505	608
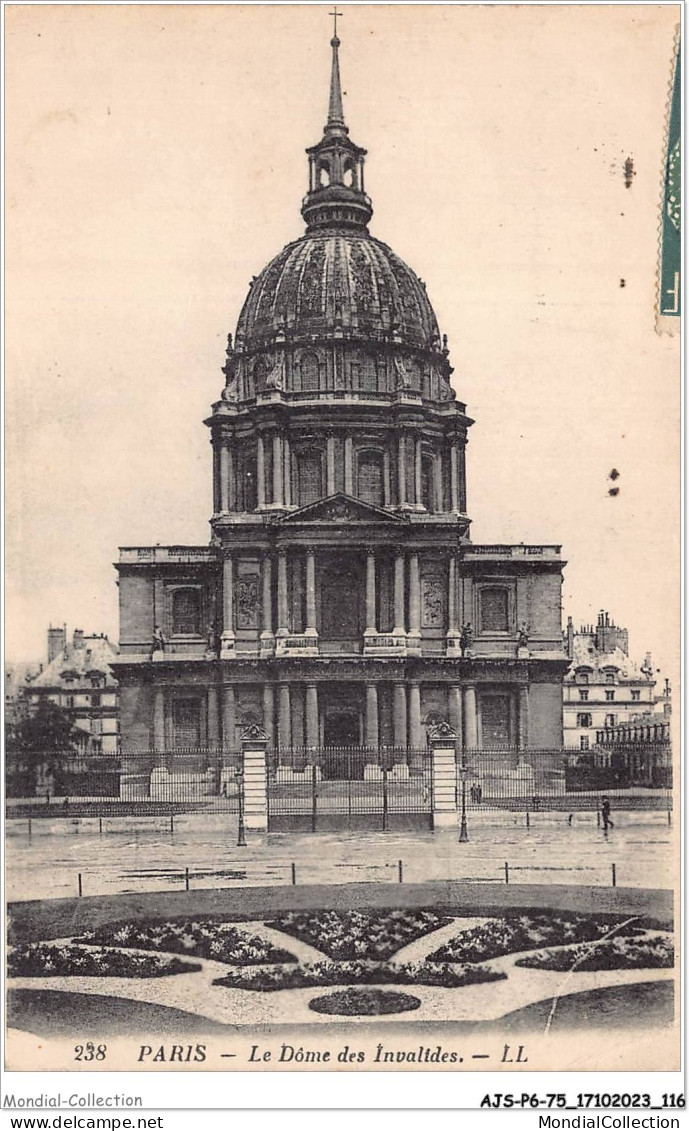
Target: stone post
254	745
371	733
442	740
227	638
370	593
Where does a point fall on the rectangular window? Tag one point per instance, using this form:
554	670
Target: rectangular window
186	723
583	695
495	720
636	696
186	612
609	677
582	677
610	720
609	695
95	700
584	742
584	720
494	610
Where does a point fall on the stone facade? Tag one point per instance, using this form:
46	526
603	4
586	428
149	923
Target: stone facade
341	600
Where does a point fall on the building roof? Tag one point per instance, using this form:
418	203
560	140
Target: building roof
91	657
586	655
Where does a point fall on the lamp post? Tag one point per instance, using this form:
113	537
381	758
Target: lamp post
241	837
463	772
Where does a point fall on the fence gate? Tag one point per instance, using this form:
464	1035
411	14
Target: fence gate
349	787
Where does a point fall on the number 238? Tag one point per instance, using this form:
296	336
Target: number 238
89	1051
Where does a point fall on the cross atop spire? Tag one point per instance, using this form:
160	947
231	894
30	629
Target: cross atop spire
335	111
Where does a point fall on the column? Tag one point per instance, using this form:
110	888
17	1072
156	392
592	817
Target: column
232	479
370	592
470	718
454	709
212	716
224	476
418	491
159	719
229	718
387	489
371	731
438	501
216	477
414	597
277	470
227	639
287	474
454	476
285	718
415	734
267	597
401	470
311	593
523	718
330	465
269	713
348	466
462	478
399	714
260	471
452	628
283	612
311	715
399	629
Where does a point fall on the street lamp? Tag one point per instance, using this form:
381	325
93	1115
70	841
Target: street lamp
463	773
241	838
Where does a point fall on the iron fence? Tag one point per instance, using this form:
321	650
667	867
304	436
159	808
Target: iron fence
350	787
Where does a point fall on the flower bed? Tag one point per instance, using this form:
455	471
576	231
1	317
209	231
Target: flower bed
374	935
526	932
364	1003
269	978
614	954
42	960
200	938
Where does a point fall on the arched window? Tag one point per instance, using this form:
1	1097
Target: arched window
370	478
309	372
323	176
309	477
427	483
186	612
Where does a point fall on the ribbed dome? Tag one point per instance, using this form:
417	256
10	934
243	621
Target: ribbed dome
337	278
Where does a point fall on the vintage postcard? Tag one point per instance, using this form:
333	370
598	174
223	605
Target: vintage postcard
342	570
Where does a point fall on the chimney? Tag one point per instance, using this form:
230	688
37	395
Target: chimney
78	638
57	639
570	638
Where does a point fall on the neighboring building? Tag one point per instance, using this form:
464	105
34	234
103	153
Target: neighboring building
603	687
341	600
17	677
639	749
78	678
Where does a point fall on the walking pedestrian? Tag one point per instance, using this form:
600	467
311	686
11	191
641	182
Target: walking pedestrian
605	814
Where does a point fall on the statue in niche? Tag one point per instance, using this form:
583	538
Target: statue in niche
158	640
466	638
276	377
403	375
523	635
212	641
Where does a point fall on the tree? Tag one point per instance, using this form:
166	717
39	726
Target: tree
41	743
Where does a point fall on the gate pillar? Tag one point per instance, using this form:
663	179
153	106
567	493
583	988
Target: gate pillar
255	785
442	740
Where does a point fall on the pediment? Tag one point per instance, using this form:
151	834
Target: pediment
341	508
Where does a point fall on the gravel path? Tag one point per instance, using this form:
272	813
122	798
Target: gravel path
421	948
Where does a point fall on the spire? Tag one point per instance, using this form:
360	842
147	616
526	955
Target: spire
336	196
335	111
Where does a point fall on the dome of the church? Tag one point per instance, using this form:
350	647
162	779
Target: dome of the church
337	277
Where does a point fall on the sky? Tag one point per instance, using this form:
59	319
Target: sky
155	163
